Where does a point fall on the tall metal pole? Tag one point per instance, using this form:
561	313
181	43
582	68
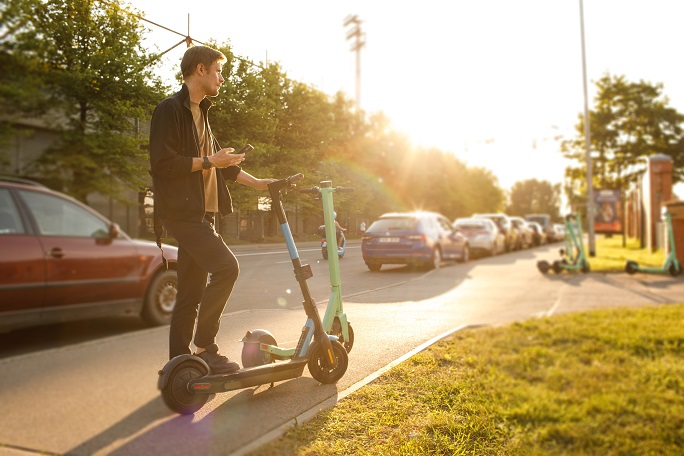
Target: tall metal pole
587	144
359	41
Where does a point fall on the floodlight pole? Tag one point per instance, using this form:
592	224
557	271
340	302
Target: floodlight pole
587	144
359	41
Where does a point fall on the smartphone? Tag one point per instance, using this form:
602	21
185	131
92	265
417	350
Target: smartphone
245	149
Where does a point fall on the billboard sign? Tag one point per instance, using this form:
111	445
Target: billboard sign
608	217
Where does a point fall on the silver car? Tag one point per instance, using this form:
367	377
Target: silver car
483	234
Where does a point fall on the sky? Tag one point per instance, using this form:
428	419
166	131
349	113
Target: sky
494	82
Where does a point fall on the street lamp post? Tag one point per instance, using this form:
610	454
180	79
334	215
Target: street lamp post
587	144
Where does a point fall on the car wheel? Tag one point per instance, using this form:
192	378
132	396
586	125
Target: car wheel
375	267
436	260
466	254
160	298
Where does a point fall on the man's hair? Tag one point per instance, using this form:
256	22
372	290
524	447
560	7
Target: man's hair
199	54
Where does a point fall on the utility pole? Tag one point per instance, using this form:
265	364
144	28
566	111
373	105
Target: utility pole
359	38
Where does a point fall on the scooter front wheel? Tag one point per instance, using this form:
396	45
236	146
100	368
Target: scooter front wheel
337	331
176	394
318	369
253	356
631	267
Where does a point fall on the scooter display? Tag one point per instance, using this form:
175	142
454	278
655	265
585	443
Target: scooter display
186	381
573	257
335	320
671	264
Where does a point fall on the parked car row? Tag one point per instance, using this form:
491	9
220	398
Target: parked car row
427	238
62	261
518	232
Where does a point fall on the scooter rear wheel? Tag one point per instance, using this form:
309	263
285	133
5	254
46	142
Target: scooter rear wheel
673	270
318	369
176	394
585	266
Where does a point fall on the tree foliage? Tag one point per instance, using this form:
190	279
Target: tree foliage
90	78
629	122
535	197
87	58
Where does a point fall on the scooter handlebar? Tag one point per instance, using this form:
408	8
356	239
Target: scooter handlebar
314	190
283	184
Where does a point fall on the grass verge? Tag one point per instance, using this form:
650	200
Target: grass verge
611	256
601	382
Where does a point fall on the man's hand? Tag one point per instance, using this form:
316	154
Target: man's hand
261	184
225	158
258	184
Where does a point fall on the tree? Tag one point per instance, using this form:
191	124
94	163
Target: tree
630	121
92	79
535	197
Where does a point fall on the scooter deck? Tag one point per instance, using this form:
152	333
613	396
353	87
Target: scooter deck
247	377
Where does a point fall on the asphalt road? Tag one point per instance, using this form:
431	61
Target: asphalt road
90	388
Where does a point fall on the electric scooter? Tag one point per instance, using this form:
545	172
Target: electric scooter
186	381
335	320
671	264
573	257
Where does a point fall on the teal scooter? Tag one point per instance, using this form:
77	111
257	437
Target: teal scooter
670	266
335	320
573	255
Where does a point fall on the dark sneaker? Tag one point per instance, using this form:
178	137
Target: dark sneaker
218	363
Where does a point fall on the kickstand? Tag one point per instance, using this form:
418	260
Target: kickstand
272	385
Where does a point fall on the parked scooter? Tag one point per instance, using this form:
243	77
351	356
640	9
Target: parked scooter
573	257
335	320
671	264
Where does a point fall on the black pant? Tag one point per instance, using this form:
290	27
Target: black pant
201	254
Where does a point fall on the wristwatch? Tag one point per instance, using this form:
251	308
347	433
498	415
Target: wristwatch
206	164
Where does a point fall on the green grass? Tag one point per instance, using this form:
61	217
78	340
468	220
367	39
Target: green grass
611	256
602	382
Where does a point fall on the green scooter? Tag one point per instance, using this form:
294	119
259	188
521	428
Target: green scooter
670	266
335	320
573	255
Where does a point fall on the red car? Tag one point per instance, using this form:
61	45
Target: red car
61	261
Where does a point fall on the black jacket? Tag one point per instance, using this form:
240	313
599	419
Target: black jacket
178	192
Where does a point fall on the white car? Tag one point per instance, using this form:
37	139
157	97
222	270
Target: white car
483	234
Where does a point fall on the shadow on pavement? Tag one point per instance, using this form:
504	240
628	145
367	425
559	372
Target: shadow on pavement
218	428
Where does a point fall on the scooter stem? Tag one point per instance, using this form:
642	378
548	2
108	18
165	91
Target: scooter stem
302	272
327	190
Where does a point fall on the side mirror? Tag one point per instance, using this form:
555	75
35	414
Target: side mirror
114	231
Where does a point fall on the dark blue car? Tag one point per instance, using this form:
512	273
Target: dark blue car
422	239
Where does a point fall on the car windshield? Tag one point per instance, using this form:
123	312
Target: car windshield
394	224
